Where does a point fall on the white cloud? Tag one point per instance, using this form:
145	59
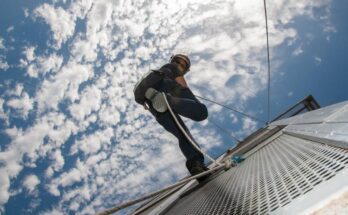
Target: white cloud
13	156
3	64
317	60
93	143
17	91
297	51
31	182
63	84
43	65
10	29
49	172
2	46
80	8
99	16
22	105
58	160
3	115
29	53
26	12
84	50
71	177
4	188
290	93
89	101
249	125
61	22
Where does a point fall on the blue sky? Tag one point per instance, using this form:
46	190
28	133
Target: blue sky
72	139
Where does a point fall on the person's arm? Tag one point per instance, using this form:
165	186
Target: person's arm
181	80
184	91
170	70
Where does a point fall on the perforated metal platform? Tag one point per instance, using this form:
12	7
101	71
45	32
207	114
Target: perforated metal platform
270	178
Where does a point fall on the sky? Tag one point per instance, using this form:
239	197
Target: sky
73	140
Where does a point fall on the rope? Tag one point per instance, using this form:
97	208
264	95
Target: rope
232	109
184	132
132	202
224	130
269	66
218	166
158	199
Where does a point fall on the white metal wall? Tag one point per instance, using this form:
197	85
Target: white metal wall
269	179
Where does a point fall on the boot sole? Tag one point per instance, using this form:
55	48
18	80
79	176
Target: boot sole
151	79
157	100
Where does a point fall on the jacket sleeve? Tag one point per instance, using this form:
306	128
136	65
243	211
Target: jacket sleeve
170	70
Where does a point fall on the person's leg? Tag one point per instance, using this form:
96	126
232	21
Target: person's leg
182	100
197	159
192	155
188	108
190	152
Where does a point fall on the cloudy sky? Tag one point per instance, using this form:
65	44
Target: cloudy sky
72	138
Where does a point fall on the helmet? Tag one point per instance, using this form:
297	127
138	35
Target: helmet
183	62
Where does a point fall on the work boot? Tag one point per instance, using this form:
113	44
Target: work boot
197	168
157	100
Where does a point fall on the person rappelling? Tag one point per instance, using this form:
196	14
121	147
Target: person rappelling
167	85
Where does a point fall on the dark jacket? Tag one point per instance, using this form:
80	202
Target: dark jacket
171	71
170	86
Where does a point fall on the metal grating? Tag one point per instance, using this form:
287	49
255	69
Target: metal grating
269	179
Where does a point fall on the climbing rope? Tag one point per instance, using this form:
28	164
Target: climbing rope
132	202
217	166
232	109
193	143
269	66
224	130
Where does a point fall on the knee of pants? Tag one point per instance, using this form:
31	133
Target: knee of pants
202	113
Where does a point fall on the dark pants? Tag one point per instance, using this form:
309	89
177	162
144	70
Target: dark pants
184	104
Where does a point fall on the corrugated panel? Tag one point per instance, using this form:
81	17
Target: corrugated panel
269	179
332	131
318	116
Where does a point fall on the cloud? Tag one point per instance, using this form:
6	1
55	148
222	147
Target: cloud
3	115
249	124
3	64
29	53
2	46
21	105
93	143
10	29
297	51
61	22
40	65
31	182
58	160
317	60
89	101
64	84
4	187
